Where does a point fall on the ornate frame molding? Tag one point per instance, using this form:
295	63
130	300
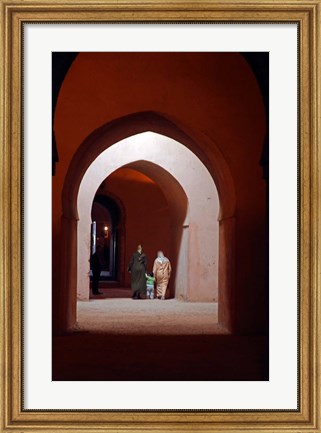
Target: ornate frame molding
13	14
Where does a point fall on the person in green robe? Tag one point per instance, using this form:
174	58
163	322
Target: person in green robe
137	267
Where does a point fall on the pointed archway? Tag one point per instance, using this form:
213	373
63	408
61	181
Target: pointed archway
103	139
193	208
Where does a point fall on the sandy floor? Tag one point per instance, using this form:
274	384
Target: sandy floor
127	316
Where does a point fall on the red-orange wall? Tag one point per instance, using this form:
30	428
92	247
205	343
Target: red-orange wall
146	219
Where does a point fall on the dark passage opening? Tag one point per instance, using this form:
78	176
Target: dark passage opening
105	216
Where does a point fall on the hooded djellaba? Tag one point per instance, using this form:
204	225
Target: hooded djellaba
137	267
162	272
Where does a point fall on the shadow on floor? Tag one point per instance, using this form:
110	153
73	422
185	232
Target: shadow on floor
89	356
111	292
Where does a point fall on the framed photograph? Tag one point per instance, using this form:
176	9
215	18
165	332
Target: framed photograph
159	216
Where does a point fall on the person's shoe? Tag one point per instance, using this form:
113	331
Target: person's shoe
97	293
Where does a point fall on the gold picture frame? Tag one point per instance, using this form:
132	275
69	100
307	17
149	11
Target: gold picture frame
13	14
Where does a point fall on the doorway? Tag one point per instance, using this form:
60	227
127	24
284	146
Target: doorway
104	235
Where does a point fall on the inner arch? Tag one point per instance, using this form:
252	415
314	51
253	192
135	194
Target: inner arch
192	197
